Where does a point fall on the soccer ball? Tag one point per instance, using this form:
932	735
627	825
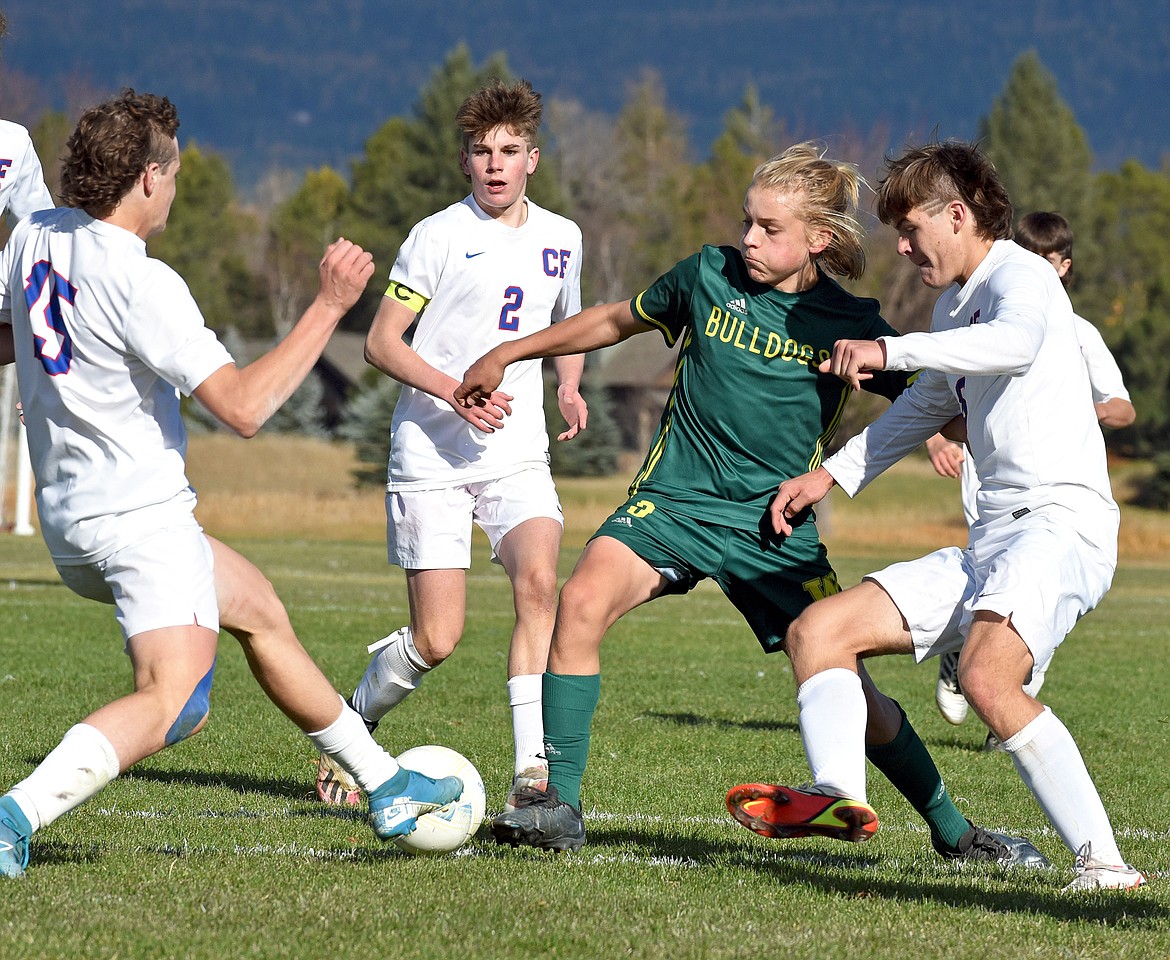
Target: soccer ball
448	828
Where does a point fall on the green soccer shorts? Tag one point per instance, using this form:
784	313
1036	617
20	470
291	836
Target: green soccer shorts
768	578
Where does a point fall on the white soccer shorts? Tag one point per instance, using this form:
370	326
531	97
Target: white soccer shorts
431	529
166	580
1037	568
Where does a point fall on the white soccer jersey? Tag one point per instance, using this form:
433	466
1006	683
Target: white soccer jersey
104	335
1003	350
22	182
487	283
1104	375
1105	380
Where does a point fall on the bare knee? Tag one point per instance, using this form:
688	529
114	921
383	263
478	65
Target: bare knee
535	592
582	605
814	630
434	643
801	633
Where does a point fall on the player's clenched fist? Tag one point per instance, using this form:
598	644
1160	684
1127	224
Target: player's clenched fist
852	359
344	272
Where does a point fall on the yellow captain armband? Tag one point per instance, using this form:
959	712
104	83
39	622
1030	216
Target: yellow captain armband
404	295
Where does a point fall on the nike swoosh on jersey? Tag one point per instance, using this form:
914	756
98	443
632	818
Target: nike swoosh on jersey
470	255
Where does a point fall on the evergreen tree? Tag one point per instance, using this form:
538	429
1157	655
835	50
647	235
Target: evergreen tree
367	425
714	202
207	241
298	232
410	168
654	175
1037	146
1126	292
594	451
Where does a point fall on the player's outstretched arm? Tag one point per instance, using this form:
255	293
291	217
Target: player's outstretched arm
388	351
591	329
852	359
244	398
799	494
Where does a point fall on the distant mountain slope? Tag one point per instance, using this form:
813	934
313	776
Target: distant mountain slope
305	82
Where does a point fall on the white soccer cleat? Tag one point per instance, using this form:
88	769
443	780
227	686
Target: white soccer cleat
1103	876
947	692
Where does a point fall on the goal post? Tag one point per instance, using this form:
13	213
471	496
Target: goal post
15	466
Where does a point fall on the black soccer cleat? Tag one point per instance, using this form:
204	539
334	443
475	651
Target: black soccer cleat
540	819
978	844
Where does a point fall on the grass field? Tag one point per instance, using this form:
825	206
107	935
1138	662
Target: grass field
216	849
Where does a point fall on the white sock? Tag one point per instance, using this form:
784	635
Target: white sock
524	697
76	769
832	727
1049	762
392	675
348	742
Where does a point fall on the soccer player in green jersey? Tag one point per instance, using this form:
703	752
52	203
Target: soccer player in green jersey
754	322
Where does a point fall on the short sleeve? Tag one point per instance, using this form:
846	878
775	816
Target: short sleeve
166	330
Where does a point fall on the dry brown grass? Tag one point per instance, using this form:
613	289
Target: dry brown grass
285	486
296	487
282	486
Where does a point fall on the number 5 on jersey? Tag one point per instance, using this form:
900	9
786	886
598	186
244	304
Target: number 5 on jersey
49	297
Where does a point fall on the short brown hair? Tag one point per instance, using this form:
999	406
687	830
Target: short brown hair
937	173
515	106
1044	232
113	144
825	194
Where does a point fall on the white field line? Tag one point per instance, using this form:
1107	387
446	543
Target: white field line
582	858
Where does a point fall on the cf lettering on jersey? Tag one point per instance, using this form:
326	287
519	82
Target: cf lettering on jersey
4	165
556	262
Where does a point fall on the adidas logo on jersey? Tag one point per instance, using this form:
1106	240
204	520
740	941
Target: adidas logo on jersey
739	305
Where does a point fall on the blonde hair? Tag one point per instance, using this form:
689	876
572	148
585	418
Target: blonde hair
824	195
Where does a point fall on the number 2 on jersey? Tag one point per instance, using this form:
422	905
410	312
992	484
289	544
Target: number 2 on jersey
510	313
45	294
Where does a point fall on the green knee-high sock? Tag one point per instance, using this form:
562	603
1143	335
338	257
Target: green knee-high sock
569	702
907	764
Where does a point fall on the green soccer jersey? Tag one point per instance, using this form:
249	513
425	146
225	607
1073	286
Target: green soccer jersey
748	408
